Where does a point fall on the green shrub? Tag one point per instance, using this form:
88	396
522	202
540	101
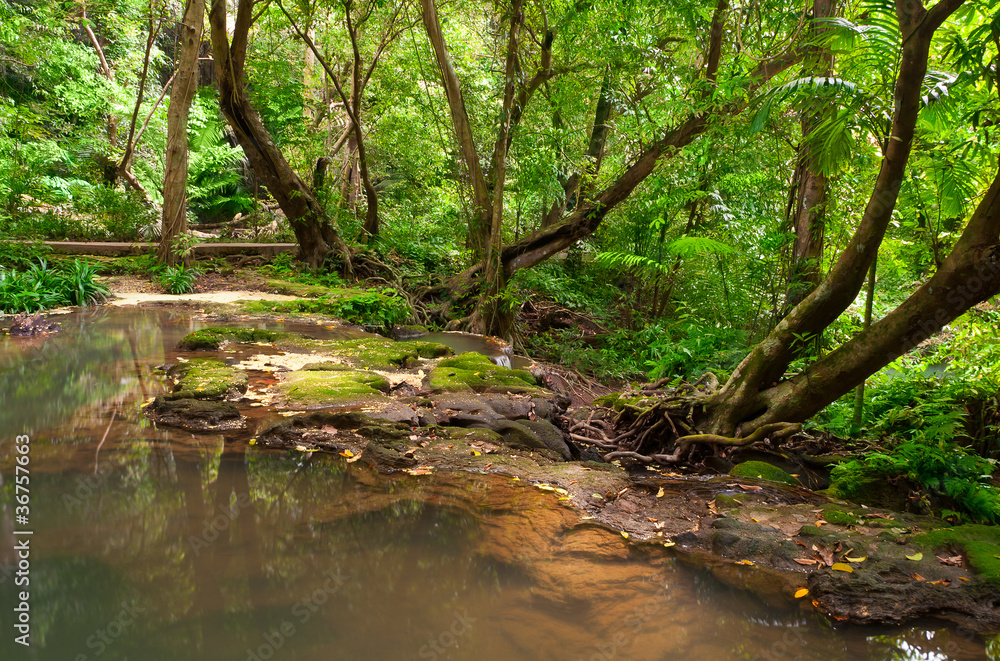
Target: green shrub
178	279
41	288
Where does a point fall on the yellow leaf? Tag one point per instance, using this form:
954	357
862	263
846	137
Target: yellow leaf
253	441
669	544
597	495
476	453
346	453
624	534
353	459
801	592
840	566
659	494
749	563
916	557
566	498
586	517
962	578
858	559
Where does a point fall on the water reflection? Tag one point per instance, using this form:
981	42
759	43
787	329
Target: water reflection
168	545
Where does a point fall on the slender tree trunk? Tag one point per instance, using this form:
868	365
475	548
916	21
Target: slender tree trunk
174	219
750	395
493	315
809	218
317	235
481	219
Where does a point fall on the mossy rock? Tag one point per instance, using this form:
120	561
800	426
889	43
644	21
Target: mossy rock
763	471
321	389
206	378
370	352
210	339
475	372
979	543
296	288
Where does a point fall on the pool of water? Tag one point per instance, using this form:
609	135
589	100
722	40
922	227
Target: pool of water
153	544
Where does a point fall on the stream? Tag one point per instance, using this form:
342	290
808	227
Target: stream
153	544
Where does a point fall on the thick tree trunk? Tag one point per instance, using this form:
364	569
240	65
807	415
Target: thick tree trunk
174	219
969	275
743	399
316	235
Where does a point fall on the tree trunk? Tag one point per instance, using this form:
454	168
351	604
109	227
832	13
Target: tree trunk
749	396
317	235
481	219
809	220
174	219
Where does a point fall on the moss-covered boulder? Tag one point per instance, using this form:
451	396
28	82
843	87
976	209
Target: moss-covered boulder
620	401
980	545
212	338
763	471
195	414
322	389
207	379
370	352
474	372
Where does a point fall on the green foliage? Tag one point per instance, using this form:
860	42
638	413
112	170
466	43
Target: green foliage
21	254
178	279
944	469
380	308
40	287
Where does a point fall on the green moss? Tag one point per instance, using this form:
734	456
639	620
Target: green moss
367	307
311	389
722	501
764	471
620	401
476	372
838	517
207	379
981	545
296	288
372	353
210	339
811	531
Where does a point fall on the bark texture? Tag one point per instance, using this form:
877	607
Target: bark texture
174	219
317	235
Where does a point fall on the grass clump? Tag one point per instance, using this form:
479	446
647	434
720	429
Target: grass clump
41	287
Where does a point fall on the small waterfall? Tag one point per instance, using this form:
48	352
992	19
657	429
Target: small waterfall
502	360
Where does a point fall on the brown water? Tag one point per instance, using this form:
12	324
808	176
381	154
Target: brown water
160	544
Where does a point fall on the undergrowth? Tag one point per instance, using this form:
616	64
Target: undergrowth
41	287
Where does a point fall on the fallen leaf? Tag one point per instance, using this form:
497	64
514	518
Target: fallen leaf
659	494
918	577
953	561
749	487
669	544
624	534
649	518
804	561
476	453
820	522
801	592
749	563
597	495
353	459
944	582
586	517
860	558
962	578
815	604
916	557
840	566
420	470
346	453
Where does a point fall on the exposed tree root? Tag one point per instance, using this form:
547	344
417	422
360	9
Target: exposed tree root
667	432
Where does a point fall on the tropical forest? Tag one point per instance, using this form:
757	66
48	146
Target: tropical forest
484	330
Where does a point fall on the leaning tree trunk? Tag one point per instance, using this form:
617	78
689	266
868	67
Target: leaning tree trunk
316	235
749	396
174	220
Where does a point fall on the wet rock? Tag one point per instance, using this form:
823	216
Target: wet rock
332	431
195	414
212	338
207	379
533	436
388	456
35	324
322	389
399	333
